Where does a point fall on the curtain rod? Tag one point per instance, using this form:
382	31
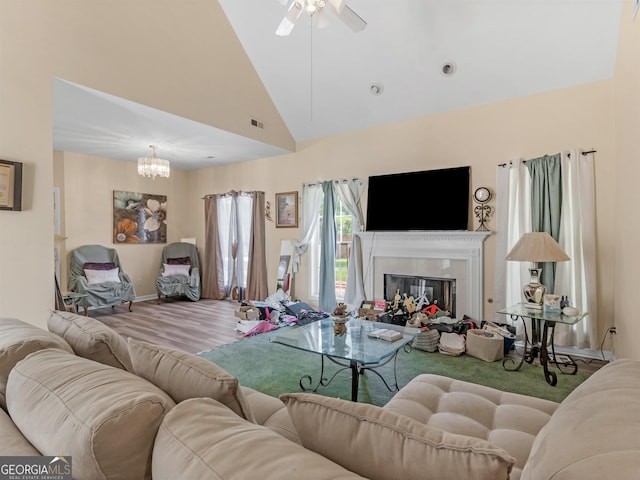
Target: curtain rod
230	192
568	155
319	182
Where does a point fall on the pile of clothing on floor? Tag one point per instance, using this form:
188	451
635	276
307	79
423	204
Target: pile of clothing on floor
276	311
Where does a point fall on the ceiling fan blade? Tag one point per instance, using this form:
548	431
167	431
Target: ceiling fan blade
323	19
290	19
338	5
285	28
352	19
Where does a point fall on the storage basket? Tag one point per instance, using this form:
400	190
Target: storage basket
485	345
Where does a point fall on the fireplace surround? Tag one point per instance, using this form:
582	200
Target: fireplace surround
456	255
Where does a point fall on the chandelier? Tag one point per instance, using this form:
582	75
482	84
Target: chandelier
153	167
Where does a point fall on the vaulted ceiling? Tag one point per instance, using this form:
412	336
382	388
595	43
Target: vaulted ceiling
320	80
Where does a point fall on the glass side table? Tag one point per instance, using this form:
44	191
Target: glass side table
535	345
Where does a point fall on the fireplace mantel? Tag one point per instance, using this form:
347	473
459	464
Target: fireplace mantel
465	246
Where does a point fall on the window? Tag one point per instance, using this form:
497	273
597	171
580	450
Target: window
344	231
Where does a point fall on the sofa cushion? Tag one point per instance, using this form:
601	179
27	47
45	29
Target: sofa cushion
595	432
17	340
270	412
184	376
379	444
201	438
12	442
104	417
507	420
90	338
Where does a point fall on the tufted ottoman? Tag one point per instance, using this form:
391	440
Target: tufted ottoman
507	420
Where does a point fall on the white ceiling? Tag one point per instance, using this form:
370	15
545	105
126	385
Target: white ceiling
319	80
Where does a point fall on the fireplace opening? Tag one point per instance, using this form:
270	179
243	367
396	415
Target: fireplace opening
441	291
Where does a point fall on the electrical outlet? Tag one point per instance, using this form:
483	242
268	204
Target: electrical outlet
612	330
139	282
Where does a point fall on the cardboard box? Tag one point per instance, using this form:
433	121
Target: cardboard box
369	310
485	345
248	313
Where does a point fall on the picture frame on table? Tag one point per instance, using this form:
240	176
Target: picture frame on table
287	210
10	185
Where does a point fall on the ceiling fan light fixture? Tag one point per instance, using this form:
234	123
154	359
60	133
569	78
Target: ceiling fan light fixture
153	166
316	7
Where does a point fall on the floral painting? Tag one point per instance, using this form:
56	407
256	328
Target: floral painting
139	218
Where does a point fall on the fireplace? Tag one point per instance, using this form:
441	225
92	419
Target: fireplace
455	256
424	290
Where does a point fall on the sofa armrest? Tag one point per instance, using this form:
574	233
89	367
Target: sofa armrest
194	277
595	432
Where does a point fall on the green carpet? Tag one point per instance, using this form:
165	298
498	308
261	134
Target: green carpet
274	369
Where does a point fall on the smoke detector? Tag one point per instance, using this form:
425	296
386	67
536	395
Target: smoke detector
376	88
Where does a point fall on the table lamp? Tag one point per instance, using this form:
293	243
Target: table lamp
536	247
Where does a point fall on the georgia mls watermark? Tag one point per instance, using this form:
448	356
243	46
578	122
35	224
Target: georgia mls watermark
35	468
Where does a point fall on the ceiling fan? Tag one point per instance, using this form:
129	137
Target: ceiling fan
317	7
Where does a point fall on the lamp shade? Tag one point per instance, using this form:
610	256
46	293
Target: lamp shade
537	247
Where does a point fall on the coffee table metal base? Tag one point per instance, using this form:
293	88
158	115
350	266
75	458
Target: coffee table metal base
357	369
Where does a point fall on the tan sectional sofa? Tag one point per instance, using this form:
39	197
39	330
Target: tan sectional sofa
131	410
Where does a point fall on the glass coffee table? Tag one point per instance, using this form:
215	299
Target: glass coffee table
354	349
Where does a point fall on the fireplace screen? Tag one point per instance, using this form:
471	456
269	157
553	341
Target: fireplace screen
441	291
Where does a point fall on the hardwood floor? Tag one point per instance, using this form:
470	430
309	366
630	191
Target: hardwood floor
190	326
198	326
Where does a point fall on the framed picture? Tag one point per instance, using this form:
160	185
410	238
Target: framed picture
139	217
287	210
10	185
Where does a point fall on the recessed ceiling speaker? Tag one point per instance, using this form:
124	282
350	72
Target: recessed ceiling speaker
448	69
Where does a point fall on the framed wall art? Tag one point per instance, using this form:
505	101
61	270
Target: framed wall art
287	210
10	185
139	217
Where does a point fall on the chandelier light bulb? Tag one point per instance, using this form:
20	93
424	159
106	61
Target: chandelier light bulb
153	167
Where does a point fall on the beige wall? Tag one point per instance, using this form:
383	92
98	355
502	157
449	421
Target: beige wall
107	46
627	193
88	188
482	137
112	52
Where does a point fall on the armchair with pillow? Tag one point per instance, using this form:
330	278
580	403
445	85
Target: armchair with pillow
95	271
179	272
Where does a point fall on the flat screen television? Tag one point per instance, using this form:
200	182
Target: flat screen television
427	200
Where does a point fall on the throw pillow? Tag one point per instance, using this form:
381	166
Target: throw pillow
102	276
99	266
91	339
176	270
381	445
184	376
105	418
17	340
202	439
179	261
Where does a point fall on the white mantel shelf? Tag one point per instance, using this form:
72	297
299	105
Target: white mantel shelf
453	245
